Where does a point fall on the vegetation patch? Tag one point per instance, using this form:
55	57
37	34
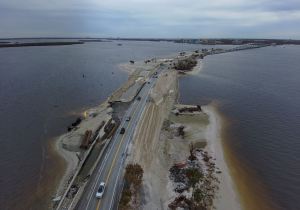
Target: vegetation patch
133	181
186	64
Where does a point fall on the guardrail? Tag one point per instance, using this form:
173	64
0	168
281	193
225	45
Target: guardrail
59	206
82	188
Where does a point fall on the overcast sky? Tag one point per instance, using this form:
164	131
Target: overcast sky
151	18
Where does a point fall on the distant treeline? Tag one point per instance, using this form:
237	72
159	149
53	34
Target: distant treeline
238	41
38	44
94	40
216	41
142	39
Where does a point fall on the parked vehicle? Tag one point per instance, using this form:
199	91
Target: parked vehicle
122	131
100	191
128	118
139	98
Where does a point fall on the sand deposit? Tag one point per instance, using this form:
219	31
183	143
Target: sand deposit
157	147
157	143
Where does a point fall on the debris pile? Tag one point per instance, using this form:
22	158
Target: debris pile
98	130
72	191
110	128
182	202
74	124
86	140
180	131
199	175
177	175
191	109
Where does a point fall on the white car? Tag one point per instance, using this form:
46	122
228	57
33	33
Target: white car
100	191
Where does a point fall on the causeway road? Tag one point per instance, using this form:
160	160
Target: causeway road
110	167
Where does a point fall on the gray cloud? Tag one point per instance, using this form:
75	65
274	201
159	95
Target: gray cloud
150	18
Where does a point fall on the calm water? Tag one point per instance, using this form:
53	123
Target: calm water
41	91
259	90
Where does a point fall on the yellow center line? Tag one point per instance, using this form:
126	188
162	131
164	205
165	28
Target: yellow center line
114	160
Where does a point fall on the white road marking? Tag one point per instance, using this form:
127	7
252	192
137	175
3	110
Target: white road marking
153	81
128	141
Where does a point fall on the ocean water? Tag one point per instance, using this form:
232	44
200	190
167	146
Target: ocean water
42	90
259	93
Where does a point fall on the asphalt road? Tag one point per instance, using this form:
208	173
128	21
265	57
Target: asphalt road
110	168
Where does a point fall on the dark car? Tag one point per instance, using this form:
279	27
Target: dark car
122	131
139	98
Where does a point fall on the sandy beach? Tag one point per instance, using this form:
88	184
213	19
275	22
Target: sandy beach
228	197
